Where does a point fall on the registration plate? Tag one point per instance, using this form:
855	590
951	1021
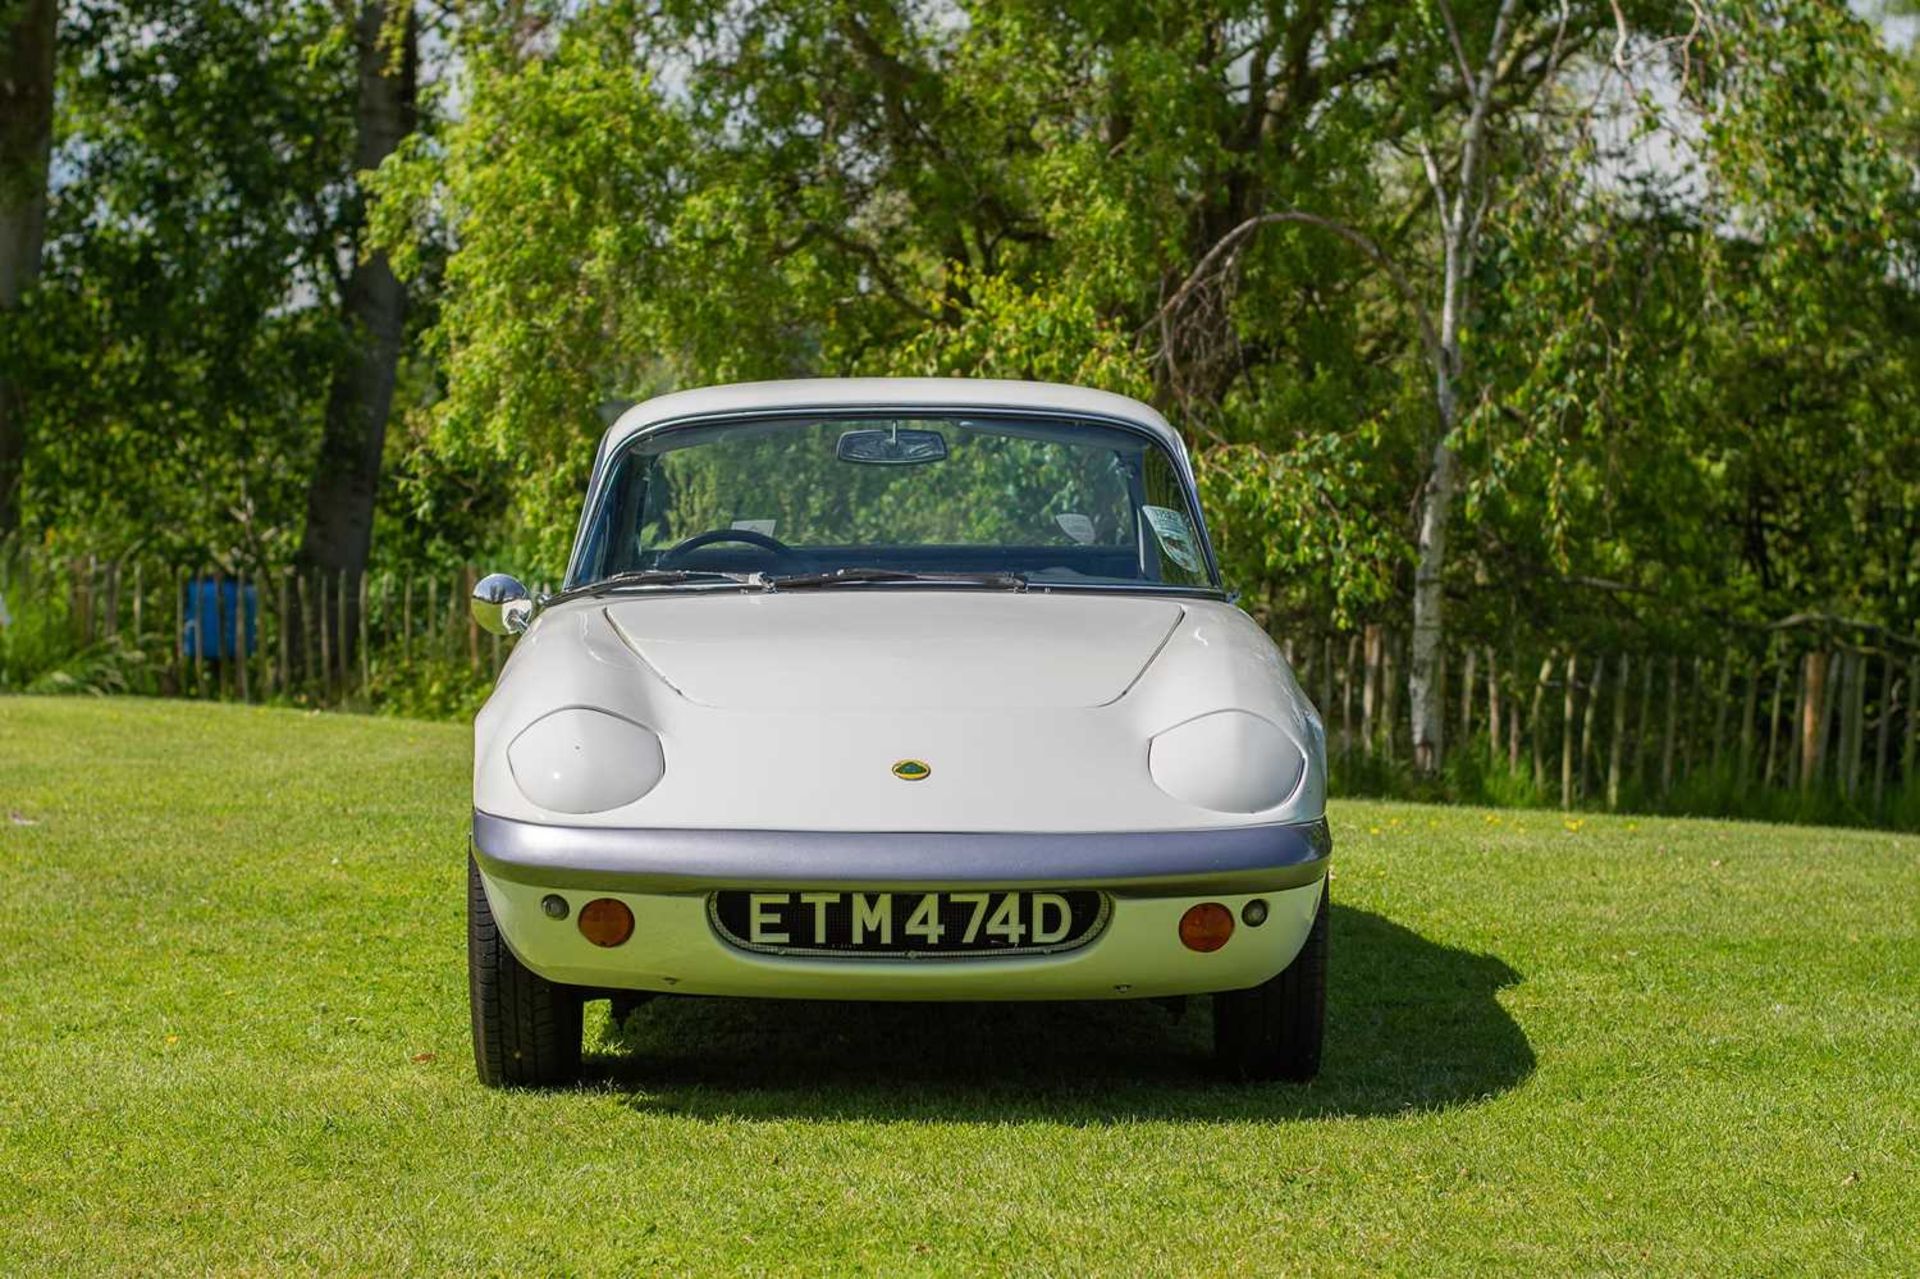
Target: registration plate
909	924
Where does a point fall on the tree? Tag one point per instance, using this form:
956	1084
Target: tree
1450	97
865	188
1420	330
186	308
1728	333
346	476
1460	204
26	141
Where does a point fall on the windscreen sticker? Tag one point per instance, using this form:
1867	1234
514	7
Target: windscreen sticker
1176	536
1077	527
763	527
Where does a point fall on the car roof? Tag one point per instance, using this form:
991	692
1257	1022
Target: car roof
942	393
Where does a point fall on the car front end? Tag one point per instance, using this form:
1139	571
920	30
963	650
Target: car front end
755	749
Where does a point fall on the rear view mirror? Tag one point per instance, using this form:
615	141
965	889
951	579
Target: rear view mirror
501	605
891	446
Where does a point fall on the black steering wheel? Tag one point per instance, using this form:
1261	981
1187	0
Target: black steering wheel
763	541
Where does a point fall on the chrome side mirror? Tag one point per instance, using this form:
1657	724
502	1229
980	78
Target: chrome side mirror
501	605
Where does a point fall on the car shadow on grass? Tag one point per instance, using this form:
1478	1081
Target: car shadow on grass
1411	1024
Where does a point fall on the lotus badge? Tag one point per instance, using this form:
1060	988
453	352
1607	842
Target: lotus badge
912	770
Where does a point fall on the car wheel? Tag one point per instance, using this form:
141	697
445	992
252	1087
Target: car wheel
1274	1030
526	1029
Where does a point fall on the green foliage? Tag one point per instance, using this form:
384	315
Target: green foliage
427	687
111	666
1308	518
173	348
37	638
1698	409
1039	334
839	190
870	189
551	183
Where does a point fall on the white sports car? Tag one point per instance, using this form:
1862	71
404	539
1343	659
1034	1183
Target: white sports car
893	689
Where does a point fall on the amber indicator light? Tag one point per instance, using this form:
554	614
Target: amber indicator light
1206	927
606	922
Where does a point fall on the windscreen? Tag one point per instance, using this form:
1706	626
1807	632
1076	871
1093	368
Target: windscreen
1058	501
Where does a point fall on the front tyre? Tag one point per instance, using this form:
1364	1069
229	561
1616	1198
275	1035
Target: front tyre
526	1029
1274	1030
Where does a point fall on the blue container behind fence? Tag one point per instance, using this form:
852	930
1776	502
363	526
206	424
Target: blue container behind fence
208	631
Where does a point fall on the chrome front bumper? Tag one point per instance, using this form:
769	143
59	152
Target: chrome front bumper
665	877
1228	860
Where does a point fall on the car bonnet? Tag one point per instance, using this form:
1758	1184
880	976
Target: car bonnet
896	649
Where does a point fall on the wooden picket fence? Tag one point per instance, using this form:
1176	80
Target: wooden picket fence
315	636
1799	714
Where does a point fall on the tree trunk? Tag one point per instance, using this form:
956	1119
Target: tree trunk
340	500
26	145
1429	596
1461	211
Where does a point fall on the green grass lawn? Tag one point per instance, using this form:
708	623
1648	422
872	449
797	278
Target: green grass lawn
233	1036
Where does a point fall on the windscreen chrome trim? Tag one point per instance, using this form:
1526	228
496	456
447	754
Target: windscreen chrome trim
604	464
1174	590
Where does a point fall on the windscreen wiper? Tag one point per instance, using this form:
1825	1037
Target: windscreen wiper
655	577
859	576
